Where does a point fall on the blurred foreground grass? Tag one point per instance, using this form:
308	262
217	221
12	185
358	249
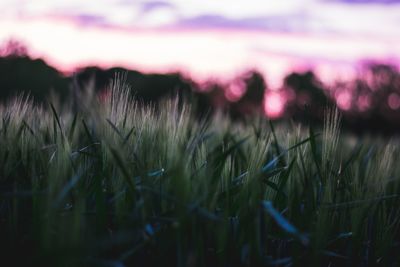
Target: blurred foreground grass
117	184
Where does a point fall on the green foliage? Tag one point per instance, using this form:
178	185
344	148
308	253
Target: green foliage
119	184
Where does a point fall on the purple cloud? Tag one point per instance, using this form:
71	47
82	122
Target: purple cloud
86	19
367	1
284	23
150	6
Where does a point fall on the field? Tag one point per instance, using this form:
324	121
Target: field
121	184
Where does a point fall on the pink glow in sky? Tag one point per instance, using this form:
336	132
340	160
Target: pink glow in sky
200	52
343	99
209	39
274	104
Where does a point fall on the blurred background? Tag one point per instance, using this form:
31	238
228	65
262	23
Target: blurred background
283	59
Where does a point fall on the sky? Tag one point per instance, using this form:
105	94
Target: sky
208	38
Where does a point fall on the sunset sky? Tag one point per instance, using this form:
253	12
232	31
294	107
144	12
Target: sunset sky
208	38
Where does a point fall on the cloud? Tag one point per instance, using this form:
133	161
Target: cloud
86	19
286	23
152	5
378	19
238	9
366	1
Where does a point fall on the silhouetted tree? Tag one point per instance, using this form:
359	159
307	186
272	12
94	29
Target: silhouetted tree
255	88
374	99
310	97
13	48
30	76
252	100
148	88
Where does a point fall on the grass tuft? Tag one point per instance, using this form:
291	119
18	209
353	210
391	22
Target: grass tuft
146	185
